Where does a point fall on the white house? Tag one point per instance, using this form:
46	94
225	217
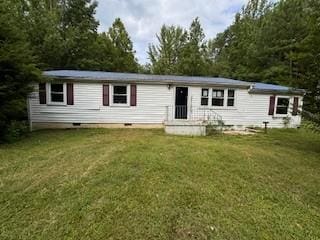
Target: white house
72	98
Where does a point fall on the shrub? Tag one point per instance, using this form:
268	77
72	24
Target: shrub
311	125
214	128
14	131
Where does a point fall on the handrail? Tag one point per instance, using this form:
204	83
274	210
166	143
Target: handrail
191	113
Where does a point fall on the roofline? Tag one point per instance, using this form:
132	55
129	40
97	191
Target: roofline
153	82
165	80
285	92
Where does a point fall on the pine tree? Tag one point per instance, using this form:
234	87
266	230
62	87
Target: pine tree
191	60
124	60
164	57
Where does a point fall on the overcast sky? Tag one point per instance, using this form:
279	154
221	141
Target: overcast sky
144	18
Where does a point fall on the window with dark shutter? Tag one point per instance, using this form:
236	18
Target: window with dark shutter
204	97
282	105
42	93
295	106
70	94
120	95
105	95
133	95
57	93
271	104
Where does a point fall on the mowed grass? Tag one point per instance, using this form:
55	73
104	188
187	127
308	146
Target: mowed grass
143	184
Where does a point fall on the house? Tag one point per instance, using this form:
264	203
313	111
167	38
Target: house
181	104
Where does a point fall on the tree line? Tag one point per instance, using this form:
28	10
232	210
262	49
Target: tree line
63	35
267	42
38	35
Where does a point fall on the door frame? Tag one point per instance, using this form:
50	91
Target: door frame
174	103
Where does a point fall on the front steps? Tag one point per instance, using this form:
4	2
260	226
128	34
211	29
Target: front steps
201	128
191	128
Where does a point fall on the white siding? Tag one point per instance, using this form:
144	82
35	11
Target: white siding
249	109
151	106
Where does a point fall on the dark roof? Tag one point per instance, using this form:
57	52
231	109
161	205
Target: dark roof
135	77
271	88
167	79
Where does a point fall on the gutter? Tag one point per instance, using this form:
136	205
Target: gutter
162	82
273	91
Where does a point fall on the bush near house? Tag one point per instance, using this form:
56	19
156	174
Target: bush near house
143	184
17	71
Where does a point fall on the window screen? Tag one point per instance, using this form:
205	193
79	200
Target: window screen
217	97
56	92
282	105
120	94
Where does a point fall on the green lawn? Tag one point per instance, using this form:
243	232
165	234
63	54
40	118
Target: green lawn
143	184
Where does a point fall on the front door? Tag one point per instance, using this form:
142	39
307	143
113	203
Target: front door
181	107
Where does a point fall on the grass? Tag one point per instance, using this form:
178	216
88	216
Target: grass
143	184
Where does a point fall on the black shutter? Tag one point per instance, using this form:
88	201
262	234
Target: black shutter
42	93
295	106
70	100
271	104
105	95
133	95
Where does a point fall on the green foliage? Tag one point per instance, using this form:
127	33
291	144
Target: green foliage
165	57
63	35
314	117
15	130
181	52
311	126
17	71
52	34
123	57
61	32
275	43
191	61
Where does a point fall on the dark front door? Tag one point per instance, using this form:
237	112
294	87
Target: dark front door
181	108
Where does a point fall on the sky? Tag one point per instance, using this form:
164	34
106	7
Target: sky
144	18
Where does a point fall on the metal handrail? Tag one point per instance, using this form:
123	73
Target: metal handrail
191	113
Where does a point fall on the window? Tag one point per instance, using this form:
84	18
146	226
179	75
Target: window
57	93
120	95
282	105
204	97
217	97
230	102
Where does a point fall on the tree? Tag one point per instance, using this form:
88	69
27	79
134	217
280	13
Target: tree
123	59
79	31
42	25
275	43
181	52
102	54
192	60
164	57
61	32
236	54
17	71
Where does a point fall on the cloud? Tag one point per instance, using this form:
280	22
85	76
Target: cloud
144	18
